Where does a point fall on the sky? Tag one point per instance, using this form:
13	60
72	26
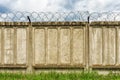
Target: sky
36	6
59	5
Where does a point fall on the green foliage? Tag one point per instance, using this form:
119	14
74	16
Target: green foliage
60	76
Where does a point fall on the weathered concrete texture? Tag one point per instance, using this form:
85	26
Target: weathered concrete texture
39	46
46	45
71	46
21	46
0	46
112	46
95	46
65	46
78	46
102	46
8	46
52	46
118	46
109	46
105	45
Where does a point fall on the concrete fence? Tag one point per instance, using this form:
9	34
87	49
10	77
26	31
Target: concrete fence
41	45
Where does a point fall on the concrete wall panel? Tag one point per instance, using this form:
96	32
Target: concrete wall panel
52	46
95	46
8	46
65	46
112	46
39	46
21	46
78	46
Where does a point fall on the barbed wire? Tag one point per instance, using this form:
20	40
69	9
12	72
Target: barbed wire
105	16
43	16
59	16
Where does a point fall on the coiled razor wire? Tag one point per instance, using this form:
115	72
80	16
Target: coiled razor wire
59	16
43	16
104	16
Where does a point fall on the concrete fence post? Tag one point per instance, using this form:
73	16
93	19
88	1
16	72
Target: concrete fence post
30	68
87	59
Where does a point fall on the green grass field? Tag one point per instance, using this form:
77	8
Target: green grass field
59	76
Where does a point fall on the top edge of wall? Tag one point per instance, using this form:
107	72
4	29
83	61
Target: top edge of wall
43	23
105	23
97	23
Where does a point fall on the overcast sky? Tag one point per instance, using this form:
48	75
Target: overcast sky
59	5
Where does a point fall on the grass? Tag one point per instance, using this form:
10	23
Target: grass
59	76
